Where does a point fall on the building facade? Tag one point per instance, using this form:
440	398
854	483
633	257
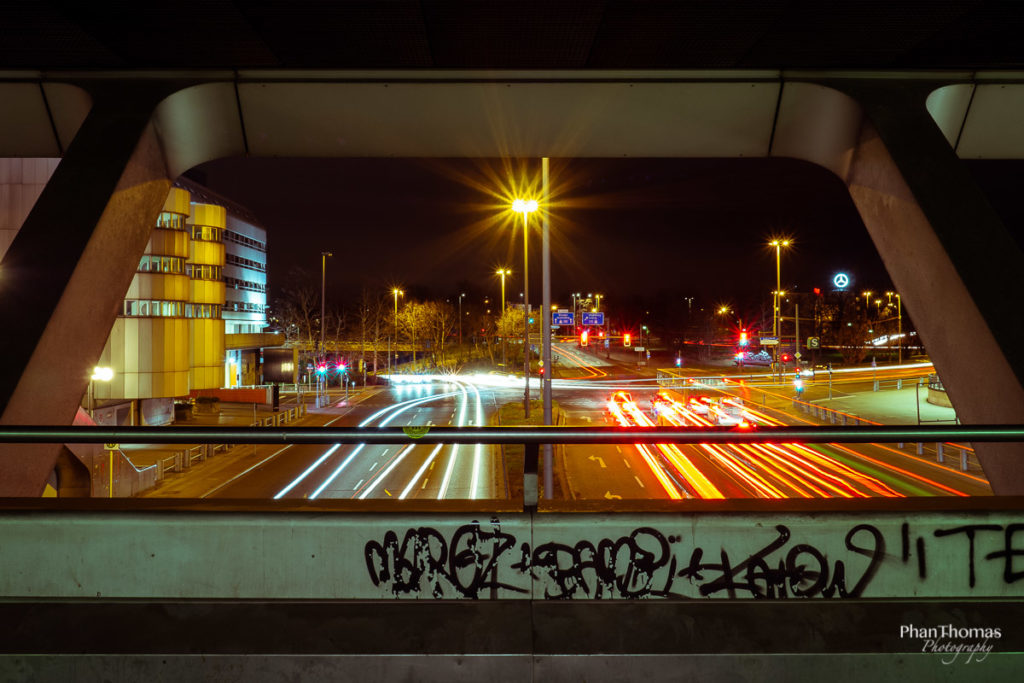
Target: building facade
194	314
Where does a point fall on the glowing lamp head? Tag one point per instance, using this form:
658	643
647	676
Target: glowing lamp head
102	374
524	206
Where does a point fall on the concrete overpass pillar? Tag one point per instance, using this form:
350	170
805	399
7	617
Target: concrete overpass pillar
65	274
950	256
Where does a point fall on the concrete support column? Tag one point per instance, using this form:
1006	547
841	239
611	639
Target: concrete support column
67	271
951	258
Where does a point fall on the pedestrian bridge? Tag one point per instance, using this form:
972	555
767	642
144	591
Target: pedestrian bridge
510	590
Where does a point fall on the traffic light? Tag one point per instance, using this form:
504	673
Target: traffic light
321	368
679	362
541	368
342	366
584	337
627	339
743	338
785	358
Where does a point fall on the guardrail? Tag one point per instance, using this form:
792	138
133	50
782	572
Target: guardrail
283	417
824	414
530	438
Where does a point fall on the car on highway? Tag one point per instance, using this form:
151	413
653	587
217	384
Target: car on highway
728	414
700	405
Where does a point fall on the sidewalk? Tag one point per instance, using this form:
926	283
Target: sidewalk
907	406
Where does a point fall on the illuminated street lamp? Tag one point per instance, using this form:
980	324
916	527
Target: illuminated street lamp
597	306
397	293
99	374
504	341
320	356
526	207
461	297
778	244
899	326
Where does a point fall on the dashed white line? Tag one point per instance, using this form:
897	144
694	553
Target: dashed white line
639	482
627	463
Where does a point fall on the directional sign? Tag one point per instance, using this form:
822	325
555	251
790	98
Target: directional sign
561	318
813	342
769	341
593	318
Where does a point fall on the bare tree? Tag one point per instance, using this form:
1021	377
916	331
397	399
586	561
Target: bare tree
299	306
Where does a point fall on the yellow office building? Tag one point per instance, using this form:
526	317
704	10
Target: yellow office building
169	338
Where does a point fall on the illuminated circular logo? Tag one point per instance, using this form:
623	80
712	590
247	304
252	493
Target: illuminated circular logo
841	280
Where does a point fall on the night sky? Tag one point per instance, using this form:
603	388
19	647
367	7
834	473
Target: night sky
629	228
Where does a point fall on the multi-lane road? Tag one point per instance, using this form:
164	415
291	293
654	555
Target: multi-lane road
586	393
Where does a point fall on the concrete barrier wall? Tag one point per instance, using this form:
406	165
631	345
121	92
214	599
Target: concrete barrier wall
967	555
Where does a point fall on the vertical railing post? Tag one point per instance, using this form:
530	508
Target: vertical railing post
530	495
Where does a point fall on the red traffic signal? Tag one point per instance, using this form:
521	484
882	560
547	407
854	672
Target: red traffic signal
584	337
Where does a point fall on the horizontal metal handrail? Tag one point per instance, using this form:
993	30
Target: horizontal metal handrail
510	435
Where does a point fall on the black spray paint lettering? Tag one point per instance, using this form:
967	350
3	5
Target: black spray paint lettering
804	572
622	568
1007	554
648	564
425	560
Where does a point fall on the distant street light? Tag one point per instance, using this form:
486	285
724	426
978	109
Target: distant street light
504	342
323	324
461	296
397	293
526	207
778	244
99	374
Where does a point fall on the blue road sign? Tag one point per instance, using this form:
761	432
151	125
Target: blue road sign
593	318
561	318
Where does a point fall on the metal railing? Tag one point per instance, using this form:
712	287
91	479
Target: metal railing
530	438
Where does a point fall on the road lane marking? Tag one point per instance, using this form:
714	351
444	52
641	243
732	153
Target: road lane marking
425	483
335	473
618	448
380	477
419	473
639	482
627	463
238	476
360	483
295	482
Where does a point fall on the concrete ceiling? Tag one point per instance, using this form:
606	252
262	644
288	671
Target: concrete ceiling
513	34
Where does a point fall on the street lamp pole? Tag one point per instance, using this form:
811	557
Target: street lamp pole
776	324
396	292
545	381
899	326
525	207
504	342
460	320
320	390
